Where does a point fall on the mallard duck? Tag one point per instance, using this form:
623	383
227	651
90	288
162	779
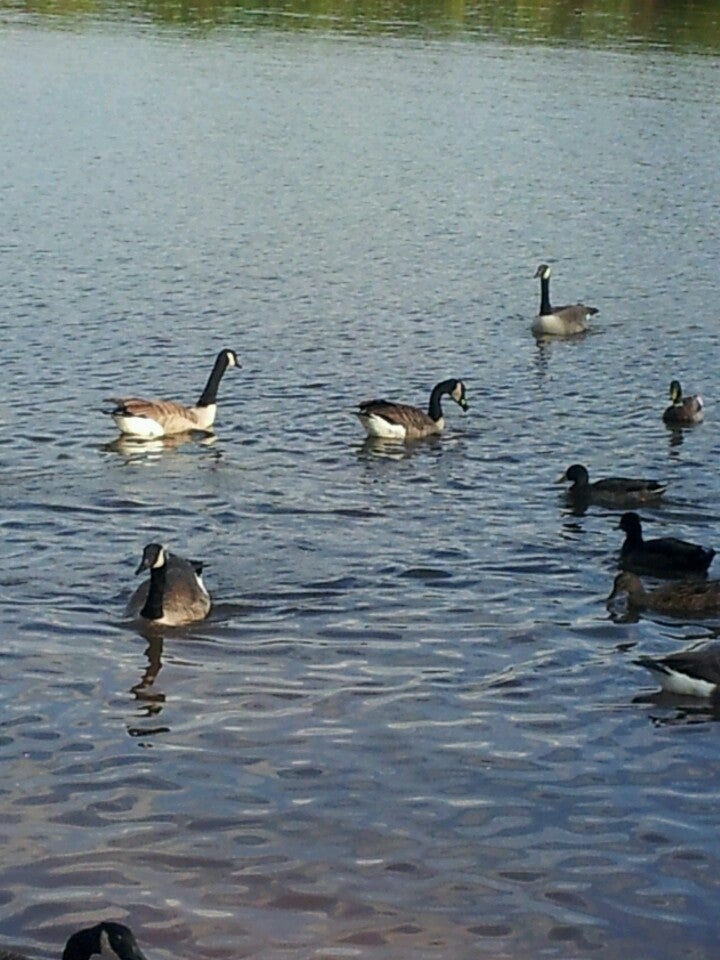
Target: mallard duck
558	321
106	939
694	673
399	421
151	419
612	491
175	593
683	411
665	556
687	598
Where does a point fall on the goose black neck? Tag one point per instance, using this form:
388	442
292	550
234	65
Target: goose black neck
434	407
153	609
545	308
209	394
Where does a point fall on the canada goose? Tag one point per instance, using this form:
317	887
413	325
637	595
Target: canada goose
399	421
688	672
558	321
683	411
687	598
174	595
665	556
151	419
612	491
106	939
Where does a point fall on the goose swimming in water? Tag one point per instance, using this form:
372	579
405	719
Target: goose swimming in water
400	421
694	673
175	593
558	321
150	419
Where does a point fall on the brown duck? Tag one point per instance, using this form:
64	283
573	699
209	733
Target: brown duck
683	598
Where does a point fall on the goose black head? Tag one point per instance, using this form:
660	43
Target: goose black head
458	395
106	939
153	557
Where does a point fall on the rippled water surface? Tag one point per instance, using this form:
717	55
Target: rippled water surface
409	727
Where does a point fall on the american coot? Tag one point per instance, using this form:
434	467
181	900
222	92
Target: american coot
665	556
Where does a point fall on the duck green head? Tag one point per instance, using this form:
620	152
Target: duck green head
676	392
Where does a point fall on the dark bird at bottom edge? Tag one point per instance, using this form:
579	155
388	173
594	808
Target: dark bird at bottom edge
108	939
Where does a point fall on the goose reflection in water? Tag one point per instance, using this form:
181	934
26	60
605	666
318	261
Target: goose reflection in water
151	701
677	710
143	690
134	448
378	448
546	346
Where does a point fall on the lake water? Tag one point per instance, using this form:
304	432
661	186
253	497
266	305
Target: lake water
409	727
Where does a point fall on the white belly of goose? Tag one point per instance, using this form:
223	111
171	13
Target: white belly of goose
683	684
379	427
144	427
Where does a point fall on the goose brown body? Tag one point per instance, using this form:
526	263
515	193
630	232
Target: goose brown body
150	419
566	321
400	421
174	595
694	672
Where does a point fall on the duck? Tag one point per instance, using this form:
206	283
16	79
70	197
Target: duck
558	321
687	598
694	672
400	421
611	491
174	595
665	556
683	411
151	419
106	939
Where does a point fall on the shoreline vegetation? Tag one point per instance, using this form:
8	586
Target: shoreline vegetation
678	25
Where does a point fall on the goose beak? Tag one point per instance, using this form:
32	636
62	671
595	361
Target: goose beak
561	479
463	404
143	565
